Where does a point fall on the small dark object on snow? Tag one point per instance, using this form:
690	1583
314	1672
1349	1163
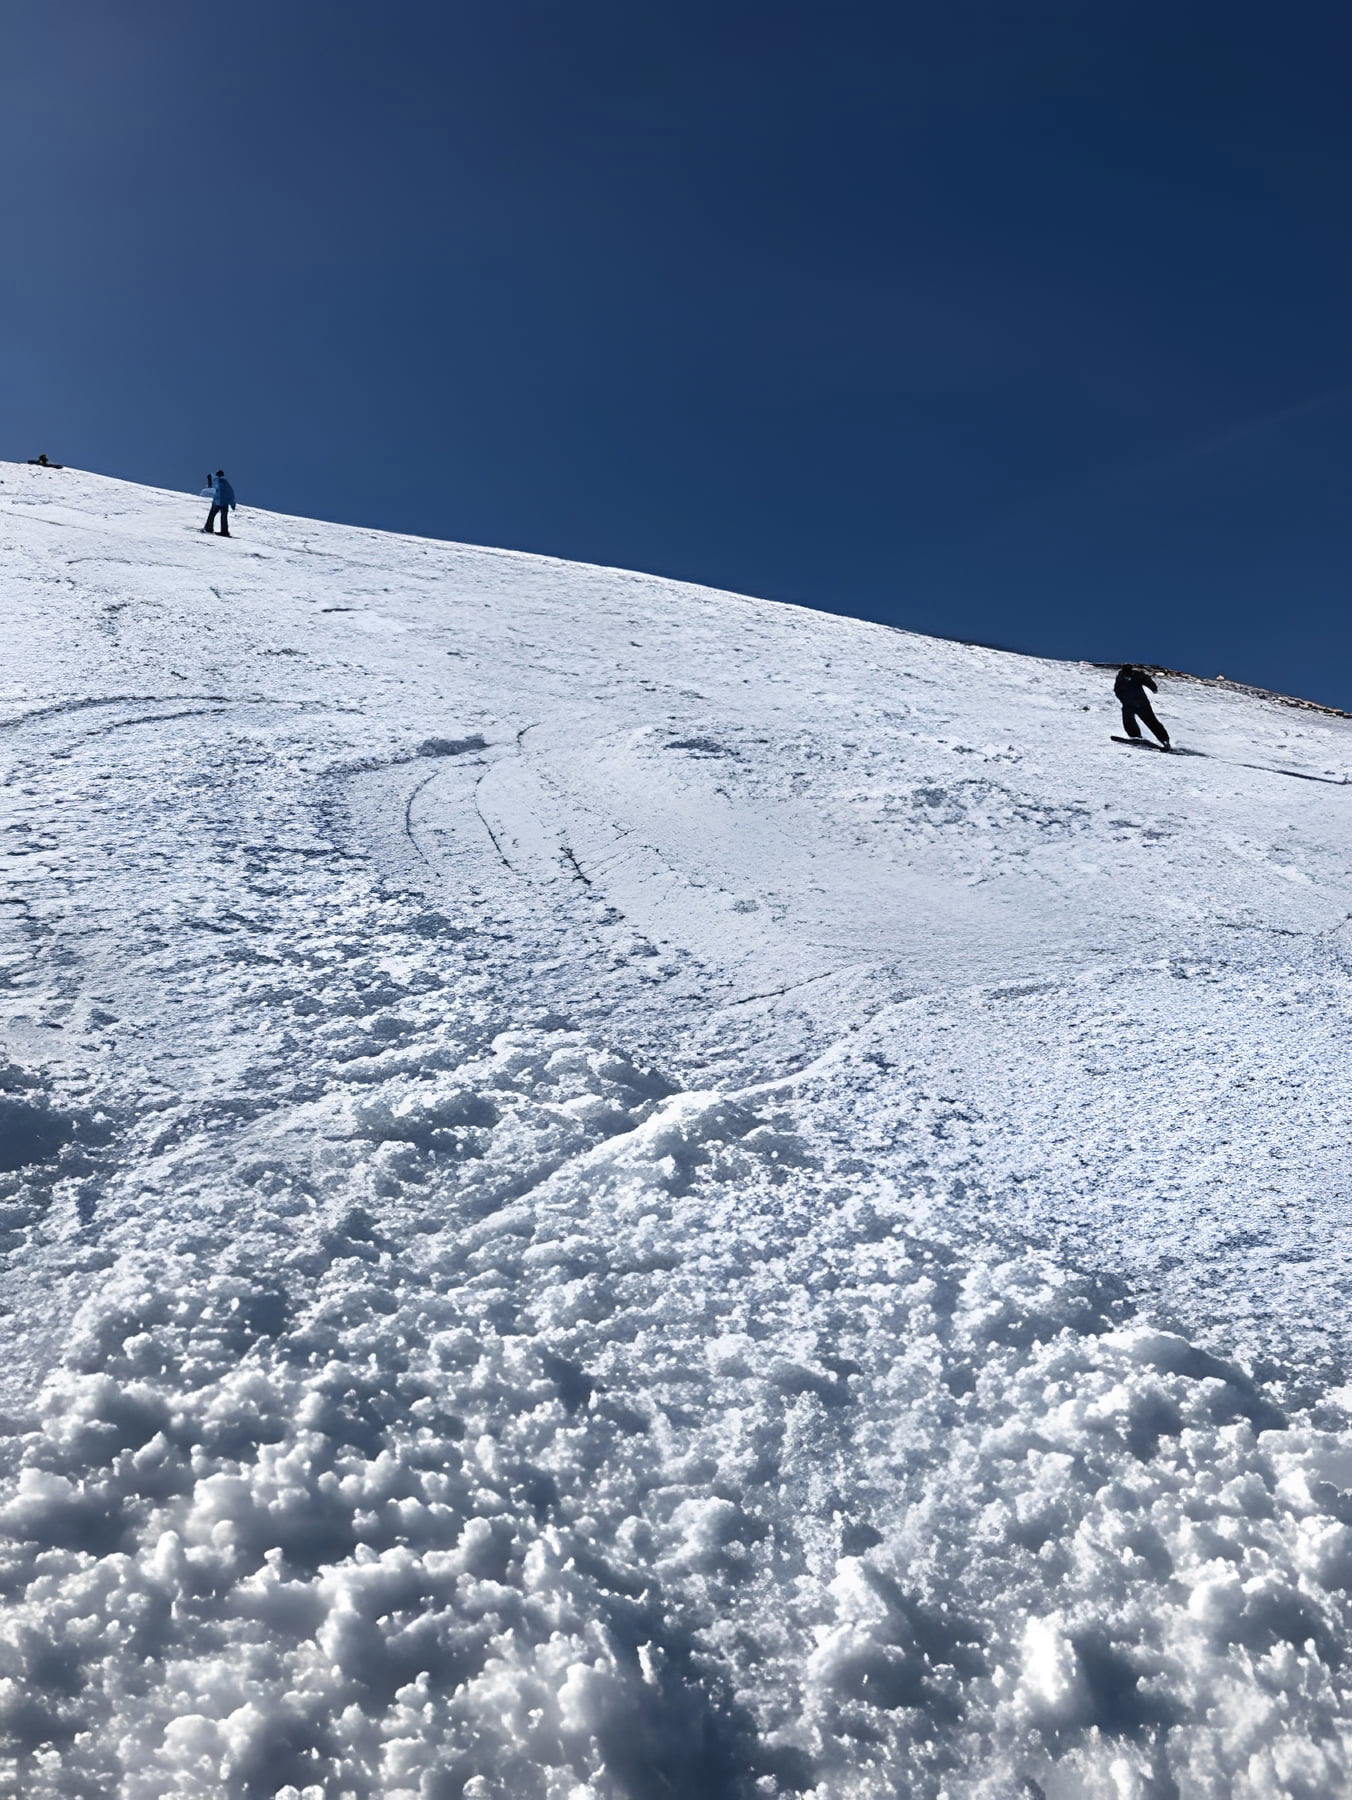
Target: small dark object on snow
40	462
451	746
1130	689
222	502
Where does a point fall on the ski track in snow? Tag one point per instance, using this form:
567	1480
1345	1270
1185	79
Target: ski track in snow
614	1190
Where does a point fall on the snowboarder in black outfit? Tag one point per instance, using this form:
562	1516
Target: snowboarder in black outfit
1130	689
222	502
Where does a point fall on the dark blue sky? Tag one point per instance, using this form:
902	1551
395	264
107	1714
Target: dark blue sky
1027	324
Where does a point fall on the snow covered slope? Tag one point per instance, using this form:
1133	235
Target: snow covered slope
614	1190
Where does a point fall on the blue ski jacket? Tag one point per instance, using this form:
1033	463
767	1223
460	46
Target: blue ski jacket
222	492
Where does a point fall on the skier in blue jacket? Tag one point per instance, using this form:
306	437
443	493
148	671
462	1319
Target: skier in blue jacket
222	502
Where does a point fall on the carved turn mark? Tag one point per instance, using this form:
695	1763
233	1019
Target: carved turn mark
575	865
788	988
611	854
408	818
67	706
506	861
483	820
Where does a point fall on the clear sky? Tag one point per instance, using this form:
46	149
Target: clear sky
1020	323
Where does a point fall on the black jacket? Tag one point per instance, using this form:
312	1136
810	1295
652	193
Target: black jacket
1130	686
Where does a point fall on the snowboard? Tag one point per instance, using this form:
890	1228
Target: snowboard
1164	749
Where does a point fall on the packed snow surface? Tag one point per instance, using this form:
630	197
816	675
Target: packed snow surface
612	1190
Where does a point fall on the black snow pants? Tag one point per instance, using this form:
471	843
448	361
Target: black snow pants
224	511
1142	710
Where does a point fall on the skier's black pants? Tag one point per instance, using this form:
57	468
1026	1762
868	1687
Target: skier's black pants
225	520
1142	711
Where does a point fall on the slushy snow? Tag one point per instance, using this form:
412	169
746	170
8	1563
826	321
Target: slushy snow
612	1191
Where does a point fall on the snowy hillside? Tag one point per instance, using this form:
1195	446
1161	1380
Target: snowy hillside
612	1190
